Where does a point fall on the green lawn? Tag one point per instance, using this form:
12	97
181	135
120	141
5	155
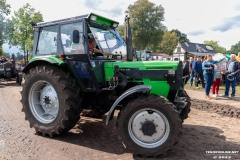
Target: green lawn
221	89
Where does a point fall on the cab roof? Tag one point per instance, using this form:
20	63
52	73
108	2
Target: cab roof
91	17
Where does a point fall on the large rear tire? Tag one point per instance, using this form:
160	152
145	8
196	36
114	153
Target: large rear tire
149	126
51	100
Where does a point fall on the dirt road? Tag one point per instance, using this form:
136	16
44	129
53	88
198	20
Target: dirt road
91	139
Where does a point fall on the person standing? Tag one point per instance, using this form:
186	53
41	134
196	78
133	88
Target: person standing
191	71
233	68
238	57
208	67
238	76
217	80
197	67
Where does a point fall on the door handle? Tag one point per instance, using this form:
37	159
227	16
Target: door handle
69	57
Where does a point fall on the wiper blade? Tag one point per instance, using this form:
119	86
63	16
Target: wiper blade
111	31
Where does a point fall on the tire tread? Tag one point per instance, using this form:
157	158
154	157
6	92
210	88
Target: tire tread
72	100
136	104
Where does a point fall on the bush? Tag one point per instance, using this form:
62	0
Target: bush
1	51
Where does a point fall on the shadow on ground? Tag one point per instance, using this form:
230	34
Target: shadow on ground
93	133
237	99
4	84
194	142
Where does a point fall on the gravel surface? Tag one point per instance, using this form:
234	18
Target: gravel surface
91	139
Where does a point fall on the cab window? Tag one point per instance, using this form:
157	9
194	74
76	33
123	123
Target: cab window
47	43
67	33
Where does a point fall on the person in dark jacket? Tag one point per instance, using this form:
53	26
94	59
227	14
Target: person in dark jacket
233	69
197	67
191	71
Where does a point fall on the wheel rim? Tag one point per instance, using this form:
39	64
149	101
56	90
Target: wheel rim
148	128
43	102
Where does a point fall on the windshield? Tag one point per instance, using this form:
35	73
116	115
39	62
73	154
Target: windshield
109	40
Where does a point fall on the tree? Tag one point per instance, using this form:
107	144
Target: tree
146	21
9	30
1	51
121	30
22	31
169	42
235	48
4	11
7	55
181	36
216	46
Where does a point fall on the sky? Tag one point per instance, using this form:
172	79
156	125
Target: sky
201	20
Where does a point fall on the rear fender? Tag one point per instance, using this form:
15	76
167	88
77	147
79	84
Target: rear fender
135	89
40	61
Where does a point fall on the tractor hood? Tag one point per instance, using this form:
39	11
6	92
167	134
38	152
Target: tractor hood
140	65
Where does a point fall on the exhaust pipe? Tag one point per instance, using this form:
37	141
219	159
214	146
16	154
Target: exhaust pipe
128	39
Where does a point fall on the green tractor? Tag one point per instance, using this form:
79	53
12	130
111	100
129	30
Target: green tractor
66	76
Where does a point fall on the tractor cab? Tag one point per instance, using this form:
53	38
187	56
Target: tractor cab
84	43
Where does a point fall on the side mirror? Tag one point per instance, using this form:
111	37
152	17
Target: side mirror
76	37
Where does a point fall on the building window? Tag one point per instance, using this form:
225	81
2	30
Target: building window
178	49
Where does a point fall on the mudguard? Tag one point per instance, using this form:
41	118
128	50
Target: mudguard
135	89
41	60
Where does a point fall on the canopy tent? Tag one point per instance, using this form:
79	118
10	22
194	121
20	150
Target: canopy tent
227	56
220	56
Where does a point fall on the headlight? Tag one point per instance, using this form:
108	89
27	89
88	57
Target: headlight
93	17
115	25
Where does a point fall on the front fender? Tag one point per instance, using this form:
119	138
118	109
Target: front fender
135	89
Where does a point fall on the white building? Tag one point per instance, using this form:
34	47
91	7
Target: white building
187	49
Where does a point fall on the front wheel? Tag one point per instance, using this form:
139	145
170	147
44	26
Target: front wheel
149	126
51	100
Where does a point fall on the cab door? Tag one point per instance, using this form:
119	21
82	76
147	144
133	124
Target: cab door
75	54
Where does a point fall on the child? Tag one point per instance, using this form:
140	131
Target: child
217	80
